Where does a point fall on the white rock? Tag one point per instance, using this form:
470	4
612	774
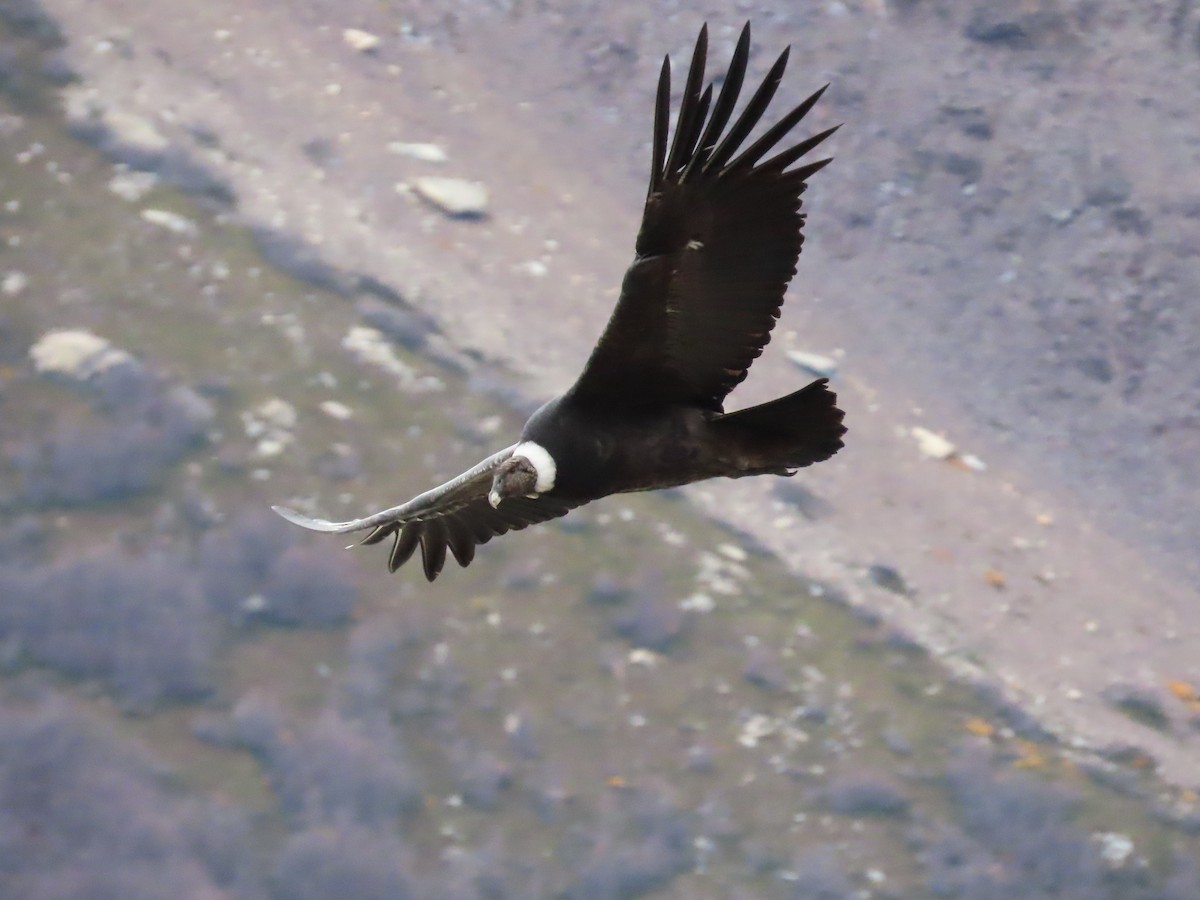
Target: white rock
932	445
135	131
454	196
640	656
268	447
173	222
756	728
75	353
424	152
371	346
670	536
1115	848
336	410
132	186
269	425
720	576
79	104
491	425
821	366
14	283
734	552
698	602
254	603
973	462
362	41
276	412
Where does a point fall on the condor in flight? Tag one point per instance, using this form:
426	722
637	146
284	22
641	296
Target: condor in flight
719	241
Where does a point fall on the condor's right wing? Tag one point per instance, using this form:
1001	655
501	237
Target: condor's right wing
455	515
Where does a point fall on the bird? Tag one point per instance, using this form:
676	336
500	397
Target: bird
719	240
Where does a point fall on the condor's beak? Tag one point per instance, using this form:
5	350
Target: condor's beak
494	498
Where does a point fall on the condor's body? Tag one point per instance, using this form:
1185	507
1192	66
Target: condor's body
615	451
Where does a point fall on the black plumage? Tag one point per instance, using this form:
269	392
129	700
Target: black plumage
720	237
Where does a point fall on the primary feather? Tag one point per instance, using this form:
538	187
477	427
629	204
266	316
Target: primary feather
718	244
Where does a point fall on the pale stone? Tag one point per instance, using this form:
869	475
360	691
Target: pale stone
336	410
132	186
821	366
173	222
454	196
362	41
372	347
424	152
931	444
14	283
75	353
136	131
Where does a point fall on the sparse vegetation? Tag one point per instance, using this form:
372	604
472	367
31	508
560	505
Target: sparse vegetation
136	622
552	723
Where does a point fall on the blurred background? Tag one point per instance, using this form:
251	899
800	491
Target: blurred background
330	255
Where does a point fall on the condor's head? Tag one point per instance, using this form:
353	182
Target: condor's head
528	472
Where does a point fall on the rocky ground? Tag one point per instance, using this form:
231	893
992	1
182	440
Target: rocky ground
1001	255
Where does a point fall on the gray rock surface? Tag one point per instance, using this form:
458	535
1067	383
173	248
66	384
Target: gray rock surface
1004	247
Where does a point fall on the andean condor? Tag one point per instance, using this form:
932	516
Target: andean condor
719	241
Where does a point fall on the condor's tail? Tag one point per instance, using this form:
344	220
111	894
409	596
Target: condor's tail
786	434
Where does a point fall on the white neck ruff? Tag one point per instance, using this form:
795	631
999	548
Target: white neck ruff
541	460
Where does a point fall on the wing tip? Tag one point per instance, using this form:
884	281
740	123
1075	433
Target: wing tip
298	518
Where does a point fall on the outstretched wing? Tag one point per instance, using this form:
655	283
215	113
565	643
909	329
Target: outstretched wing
456	515
719	241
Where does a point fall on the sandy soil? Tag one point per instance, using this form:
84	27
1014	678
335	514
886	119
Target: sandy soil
1049	572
